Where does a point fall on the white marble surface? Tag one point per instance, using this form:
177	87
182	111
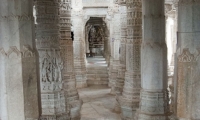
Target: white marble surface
98	104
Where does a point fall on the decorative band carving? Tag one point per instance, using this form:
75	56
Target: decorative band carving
23	17
154	103
26	51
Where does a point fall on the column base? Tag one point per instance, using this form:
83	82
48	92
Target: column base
127	113
128	108
153	105
75	110
113	73
54	117
117	107
117	104
151	117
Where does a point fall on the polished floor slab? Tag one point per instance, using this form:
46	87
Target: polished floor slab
98	104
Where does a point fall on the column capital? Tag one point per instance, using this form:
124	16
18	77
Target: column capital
78	13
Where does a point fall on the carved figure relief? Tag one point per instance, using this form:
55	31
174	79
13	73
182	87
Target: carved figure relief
96	40
96	34
186	71
51	69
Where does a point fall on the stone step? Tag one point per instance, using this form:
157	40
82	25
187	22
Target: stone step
97	75
97	72
97	68
103	79
96	82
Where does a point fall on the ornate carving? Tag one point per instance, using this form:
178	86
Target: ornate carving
73	104
186	79
154	104
131	90
186	56
47	42
168	8
26	52
51	68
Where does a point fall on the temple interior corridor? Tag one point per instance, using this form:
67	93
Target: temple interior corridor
99	59
98	102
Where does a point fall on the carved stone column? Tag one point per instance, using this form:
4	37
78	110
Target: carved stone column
122	57
122	50
154	101
47	42
73	104
18	61
79	50
115	44
188	62
129	100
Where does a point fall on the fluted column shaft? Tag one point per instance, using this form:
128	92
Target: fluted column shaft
154	95
131	90
18	61
188	62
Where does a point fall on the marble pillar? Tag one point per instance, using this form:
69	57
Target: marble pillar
18	62
122	50
115	44
122	54
129	100
79	50
154	101
50	61
72	101
188	62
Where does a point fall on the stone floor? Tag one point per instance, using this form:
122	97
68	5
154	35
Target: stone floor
98	104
